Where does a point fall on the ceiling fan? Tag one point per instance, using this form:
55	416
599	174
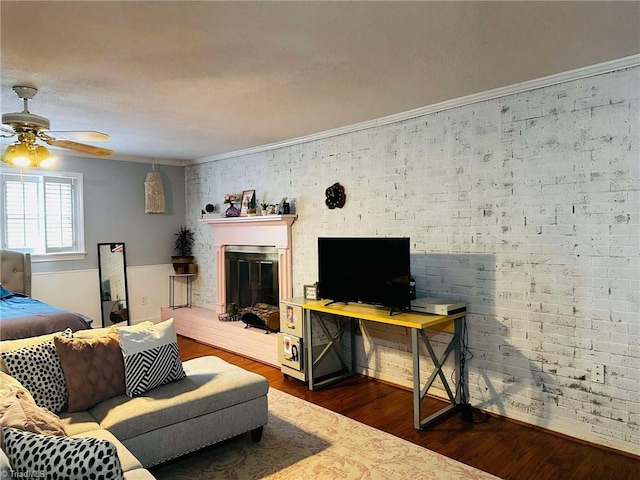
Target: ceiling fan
29	128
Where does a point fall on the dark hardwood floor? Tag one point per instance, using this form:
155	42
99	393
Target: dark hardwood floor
502	447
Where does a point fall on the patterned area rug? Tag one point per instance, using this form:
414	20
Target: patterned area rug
304	441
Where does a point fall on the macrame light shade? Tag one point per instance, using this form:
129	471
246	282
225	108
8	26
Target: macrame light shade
153	193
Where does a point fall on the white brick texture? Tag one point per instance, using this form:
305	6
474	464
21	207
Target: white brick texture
526	207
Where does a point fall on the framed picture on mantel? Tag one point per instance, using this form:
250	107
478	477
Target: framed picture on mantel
248	206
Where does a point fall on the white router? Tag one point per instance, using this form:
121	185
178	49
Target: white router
438	306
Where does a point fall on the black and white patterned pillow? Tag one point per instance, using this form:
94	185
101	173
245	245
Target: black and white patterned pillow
37	368
34	455
151	357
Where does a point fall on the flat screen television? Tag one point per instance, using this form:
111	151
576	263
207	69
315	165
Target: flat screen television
365	270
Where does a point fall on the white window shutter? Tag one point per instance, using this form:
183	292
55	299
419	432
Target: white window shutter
58	202
21	212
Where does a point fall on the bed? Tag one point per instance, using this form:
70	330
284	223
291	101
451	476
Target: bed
22	316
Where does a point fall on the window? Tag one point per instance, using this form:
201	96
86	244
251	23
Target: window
42	213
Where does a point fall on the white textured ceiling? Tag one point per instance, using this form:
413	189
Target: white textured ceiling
187	80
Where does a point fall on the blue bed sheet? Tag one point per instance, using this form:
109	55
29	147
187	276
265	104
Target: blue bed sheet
22	316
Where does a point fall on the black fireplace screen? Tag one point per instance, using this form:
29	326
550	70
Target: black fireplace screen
251	277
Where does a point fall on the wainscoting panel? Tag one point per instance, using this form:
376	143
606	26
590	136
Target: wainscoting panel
79	291
76	290
148	290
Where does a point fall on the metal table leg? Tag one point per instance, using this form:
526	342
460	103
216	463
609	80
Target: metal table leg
420	392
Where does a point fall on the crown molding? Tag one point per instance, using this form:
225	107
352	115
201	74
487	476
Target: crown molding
592	70
123	158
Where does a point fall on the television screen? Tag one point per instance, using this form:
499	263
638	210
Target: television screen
365	270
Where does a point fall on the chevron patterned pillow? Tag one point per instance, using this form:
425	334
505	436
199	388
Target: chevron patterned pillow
151	357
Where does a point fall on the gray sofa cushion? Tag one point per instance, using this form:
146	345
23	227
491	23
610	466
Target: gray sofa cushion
211	384
78	422
172	441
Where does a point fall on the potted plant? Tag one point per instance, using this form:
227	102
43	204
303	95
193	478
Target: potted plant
251	210
183	247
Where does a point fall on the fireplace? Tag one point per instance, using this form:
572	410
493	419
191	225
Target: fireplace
271	233
251	275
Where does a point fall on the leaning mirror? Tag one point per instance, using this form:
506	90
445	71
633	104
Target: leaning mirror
112	268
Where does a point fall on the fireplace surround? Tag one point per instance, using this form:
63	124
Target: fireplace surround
266	231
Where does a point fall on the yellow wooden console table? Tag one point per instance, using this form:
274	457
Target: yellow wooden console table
420	325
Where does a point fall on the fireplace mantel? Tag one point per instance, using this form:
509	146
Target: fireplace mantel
270	231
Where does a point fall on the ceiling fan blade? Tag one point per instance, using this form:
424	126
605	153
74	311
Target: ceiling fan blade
80	136
7	132
81	147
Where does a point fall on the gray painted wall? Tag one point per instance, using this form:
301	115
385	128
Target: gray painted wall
114	211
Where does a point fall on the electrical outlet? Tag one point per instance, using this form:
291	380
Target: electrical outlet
597	373
144	300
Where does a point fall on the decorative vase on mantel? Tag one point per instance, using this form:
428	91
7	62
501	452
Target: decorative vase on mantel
232	211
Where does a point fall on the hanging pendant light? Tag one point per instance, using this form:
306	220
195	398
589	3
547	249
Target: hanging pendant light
153	192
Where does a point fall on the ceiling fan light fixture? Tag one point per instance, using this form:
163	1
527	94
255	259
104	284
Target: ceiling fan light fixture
21	155
24	154
42	157
8	154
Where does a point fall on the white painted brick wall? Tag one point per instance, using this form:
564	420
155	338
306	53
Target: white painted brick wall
526	207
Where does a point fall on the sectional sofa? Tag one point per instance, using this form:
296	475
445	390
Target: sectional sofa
213	401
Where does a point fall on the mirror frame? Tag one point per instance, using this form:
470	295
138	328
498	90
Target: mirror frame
106	322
